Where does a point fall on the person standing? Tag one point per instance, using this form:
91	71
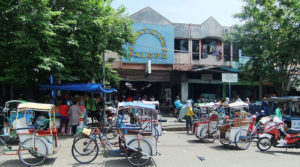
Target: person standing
99	113
74	115
189	117
91	107
64	117
265	106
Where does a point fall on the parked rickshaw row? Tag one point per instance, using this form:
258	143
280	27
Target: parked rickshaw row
234	124
33	125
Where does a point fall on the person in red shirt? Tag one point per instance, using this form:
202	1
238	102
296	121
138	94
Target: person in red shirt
64	117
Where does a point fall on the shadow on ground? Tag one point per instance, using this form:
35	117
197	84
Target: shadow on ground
278	152
18	163
125	163
197	141
225	148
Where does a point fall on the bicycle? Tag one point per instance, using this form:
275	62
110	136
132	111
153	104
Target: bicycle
137	150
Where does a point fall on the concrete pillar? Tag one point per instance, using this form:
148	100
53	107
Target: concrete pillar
184	90
191	53
184	87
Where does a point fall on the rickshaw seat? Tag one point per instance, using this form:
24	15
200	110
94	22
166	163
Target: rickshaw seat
44	132
135	132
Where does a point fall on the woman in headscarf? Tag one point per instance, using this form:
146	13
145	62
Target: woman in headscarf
189	116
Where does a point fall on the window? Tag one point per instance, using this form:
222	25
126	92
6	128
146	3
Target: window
235	52
225	31
181	46
210	47
226	51
195	50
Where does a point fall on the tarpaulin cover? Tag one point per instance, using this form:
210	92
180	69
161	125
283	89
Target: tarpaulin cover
92	87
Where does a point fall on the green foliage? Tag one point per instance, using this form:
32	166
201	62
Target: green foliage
270	35
61	37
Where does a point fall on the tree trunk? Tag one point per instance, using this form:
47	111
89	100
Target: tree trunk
11	92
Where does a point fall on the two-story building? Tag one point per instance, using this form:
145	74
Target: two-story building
187	60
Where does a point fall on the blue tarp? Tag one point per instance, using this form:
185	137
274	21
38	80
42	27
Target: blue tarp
92	87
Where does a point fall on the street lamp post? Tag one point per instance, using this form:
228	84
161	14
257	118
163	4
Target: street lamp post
103	83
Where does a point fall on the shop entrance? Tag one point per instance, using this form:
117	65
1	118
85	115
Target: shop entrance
140	90
212	91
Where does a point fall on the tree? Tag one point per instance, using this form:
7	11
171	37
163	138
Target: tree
64	38
270	36
85	29
26	39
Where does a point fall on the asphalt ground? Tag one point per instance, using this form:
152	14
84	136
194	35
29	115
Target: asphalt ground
178	150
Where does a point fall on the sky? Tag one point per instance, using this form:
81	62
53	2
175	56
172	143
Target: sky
188	11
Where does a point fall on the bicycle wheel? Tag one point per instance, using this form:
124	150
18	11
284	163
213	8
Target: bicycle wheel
243	139
85	150
206	136
110	132
138	156
33	152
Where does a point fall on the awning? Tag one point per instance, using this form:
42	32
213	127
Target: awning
93	87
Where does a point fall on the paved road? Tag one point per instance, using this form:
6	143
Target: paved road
180	150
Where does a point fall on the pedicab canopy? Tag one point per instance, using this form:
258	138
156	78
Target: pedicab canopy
91	87
238	104
150	102
37	106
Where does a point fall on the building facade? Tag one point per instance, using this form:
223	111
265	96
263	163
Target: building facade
187	60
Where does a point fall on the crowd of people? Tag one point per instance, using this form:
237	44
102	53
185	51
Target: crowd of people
74	110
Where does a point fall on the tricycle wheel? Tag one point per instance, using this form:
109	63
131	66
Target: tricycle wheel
138	152
264	144
243	139
85	150
33	152
110	132
206	136
224	142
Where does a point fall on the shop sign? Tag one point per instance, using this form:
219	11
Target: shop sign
154	42
162	55
229	77
295	124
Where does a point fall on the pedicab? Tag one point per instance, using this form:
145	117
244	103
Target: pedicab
205	127
6	116
37	136
235	129
137	145
155	117
288	107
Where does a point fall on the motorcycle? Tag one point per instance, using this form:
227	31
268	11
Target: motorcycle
276	136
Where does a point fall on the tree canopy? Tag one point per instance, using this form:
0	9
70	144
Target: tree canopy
64	38
270	36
